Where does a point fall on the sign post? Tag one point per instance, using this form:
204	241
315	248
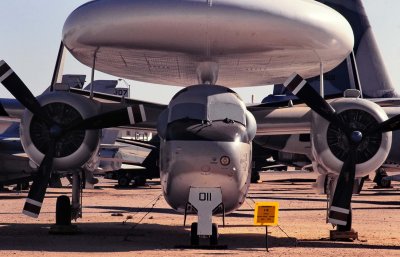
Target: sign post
266	214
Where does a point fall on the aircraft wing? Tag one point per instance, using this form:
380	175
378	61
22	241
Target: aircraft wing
281	118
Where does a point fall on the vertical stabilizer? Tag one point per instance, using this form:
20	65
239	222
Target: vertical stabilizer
373	77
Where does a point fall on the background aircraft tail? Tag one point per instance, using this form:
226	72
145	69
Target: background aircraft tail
373	77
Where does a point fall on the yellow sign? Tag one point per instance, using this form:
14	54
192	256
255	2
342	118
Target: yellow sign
266	214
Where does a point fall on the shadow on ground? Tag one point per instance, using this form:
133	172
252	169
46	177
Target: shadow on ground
110	237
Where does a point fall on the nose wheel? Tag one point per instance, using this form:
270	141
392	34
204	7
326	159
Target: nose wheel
195	238
205	202
215	235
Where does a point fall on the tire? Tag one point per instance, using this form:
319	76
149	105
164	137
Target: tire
194	238
140	181
385	183
214	236
380	174
63	211
255	177
123	181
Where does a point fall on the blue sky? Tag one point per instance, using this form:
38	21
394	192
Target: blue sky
32	32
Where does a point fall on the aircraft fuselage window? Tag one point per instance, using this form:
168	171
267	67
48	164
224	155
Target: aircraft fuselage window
212	112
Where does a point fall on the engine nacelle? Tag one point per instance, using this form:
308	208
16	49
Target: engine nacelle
330	145
76	147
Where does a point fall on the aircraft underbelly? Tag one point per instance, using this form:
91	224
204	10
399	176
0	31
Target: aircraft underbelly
253	42
180	69
179	171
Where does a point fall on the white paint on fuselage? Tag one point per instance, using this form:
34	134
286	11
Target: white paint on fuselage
253	42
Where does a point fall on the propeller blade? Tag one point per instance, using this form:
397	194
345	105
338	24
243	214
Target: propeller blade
35	197
340	207
126	116
20	91
391	124
305	92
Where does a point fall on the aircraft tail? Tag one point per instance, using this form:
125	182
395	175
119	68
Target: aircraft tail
372	75
374	79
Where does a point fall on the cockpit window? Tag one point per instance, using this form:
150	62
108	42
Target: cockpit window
222	111
213	112
193	111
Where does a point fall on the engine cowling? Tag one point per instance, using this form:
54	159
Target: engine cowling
73	149
330	145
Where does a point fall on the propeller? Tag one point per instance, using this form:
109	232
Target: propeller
17	88
124	116
391	124
340	208
34	201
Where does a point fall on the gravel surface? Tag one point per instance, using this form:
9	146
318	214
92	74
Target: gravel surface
302	231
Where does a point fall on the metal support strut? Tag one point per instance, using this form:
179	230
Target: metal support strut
93	70
59	67
321	80
76	196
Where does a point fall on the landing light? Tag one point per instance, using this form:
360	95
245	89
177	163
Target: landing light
225	160
237	139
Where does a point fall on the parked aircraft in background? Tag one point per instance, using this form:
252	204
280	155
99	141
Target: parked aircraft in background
206	131
140	160
15	167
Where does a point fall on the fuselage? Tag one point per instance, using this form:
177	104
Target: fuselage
187	164
206	137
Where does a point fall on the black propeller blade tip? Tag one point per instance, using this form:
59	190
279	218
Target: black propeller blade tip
36	194
121	117
338	216
5	70
295	83
20	91
32	208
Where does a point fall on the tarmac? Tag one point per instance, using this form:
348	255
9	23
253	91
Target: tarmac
138	222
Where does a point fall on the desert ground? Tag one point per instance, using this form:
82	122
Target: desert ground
138	222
